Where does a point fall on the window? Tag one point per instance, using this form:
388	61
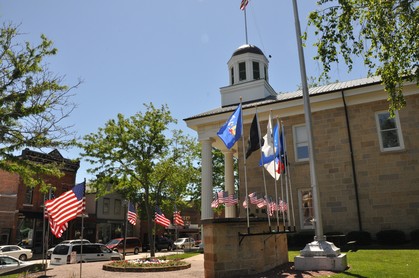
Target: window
117	207
232	75
28	196
389	131
106	203
242	71
266	73
256	72
300	143
305	205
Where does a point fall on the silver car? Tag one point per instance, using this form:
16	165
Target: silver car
16	252
10	264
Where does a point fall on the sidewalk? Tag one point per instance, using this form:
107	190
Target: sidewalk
94	270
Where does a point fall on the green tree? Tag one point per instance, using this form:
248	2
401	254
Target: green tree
385	33
136	157
33	105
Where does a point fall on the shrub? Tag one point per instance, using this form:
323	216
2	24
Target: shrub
391	237
300	239
338	238
414	236
359	237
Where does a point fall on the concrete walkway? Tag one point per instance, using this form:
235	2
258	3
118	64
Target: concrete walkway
94	270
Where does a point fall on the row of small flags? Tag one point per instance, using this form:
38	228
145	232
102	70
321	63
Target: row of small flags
61	210
222	197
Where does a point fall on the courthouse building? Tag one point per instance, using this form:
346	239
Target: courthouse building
367	164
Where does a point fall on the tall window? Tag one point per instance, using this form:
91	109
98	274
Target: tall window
389	131
305	205
242	71
265	70
256	72
117	207
28	196
300	143
106	205
232	75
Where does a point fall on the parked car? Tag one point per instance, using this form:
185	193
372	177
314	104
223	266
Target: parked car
16	252
184	242
91	252
10	265
132	245
160	243
70	241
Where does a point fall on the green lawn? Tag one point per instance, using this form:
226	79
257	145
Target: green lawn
378	263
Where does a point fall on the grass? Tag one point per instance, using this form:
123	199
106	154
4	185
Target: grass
378	262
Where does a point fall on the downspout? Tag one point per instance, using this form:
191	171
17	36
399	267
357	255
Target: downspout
352	162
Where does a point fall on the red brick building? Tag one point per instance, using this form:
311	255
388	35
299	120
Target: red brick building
21	207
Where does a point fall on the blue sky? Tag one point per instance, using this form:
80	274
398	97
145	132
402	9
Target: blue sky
130	52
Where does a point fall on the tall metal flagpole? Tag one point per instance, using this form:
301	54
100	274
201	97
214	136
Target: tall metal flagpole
245	25
82	227
319	254
246	197
307	116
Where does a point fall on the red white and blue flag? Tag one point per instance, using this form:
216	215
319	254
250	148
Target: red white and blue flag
243	4
131	215
160	219
65	208
177	218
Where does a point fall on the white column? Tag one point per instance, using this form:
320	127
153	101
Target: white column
230	212
206	179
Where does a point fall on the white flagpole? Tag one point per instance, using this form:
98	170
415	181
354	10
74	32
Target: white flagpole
288	177
307	115
263	173
245	171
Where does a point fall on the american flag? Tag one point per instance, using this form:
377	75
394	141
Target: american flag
243	4
222	197
66	207
214	203
56	230
131	215
177	218
253	198
160	218
231	200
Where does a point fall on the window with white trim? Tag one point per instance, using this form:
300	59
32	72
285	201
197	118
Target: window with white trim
242	71
389	131
305	205
300	142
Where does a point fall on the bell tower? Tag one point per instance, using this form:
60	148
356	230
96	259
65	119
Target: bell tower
248	77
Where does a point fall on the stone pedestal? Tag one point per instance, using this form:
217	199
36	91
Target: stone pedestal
229	254
321	255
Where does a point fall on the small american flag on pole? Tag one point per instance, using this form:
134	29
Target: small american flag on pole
160	218
131	215
177	218
243	4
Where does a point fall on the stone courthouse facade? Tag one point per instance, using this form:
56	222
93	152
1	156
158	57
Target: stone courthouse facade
367	165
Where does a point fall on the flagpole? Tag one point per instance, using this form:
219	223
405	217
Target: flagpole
245	173
307	115
288	176
263	173
245	25
125	230
44	237
275	176
82	227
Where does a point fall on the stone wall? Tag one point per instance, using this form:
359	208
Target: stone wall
229	254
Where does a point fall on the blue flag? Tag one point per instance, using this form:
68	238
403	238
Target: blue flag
231	131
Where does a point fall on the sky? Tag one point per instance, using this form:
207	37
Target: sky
131	52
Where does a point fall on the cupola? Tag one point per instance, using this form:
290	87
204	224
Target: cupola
248	76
